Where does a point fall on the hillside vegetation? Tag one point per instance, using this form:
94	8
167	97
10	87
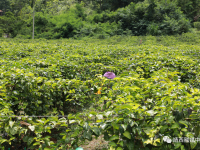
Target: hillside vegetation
56	19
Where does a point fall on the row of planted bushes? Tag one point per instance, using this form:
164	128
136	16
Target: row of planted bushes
59	77
138	114
144	111
52	85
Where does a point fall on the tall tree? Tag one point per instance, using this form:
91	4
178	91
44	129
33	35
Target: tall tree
190	8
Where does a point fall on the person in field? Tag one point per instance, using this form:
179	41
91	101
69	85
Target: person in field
108	75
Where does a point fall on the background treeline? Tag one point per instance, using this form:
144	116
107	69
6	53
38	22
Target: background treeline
101	18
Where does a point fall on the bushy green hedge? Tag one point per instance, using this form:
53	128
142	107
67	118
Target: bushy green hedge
197	25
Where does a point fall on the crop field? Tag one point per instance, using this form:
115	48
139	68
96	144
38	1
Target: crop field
49	99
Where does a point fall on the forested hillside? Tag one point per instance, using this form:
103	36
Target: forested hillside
55	19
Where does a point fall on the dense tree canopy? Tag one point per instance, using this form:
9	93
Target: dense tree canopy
4	5
77	18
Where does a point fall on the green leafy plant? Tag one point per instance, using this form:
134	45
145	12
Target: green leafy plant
197	25
154	96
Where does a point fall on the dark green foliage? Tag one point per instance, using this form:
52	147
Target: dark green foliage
190	8
41	23
79	11
101	19
111	5
59	26
148	17
10	24
150	13
4	5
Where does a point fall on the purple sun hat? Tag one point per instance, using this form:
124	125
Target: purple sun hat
109	75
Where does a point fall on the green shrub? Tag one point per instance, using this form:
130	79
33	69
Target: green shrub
153	29
10	24
171	26
147	17
20	36
197	25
